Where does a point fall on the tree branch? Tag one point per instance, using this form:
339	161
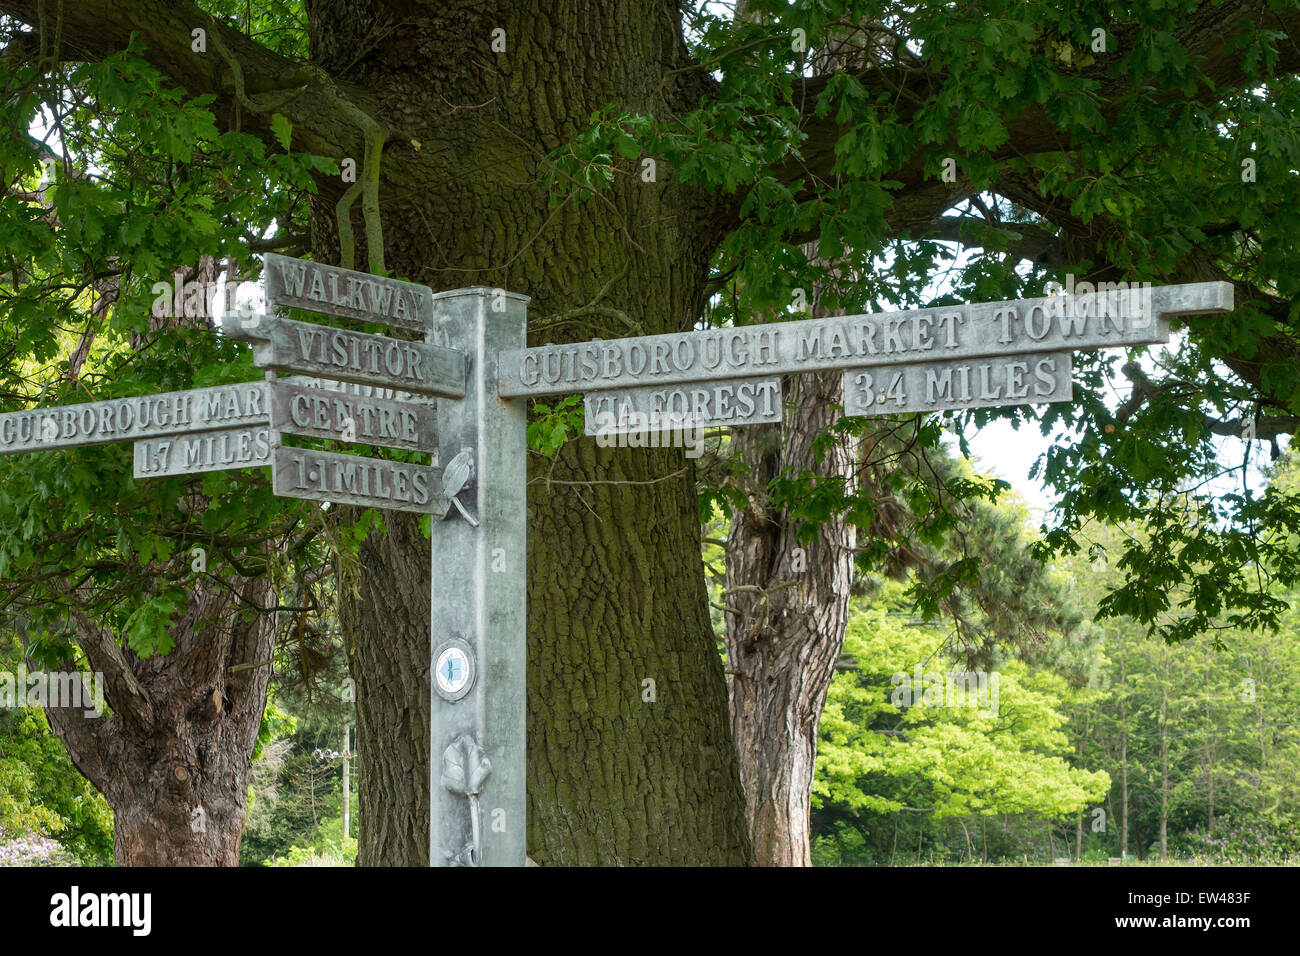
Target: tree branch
1210	33
1027	240
1082	240
260	80
123	690
1144	389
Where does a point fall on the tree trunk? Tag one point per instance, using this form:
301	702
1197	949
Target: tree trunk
1078	751
347	781
1210	759
174	758
785	633
1263	737
790	605
615	584
392	687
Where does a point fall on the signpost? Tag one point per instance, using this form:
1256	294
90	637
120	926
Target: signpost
744	401
284	345
353	480
204	451
375	390
478	679
317	287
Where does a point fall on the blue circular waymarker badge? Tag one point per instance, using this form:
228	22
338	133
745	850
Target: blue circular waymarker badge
453	669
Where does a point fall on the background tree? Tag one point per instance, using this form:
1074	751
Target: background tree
940	766
166	589
1178	728
41	792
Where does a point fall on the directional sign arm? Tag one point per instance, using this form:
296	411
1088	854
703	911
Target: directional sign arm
1062	323
1192	298
286	345
1023	378
138	417
349	479
317	287
718	402
190	454
247	326
360	419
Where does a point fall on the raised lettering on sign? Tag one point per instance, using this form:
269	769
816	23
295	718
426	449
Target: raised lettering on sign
349	479
324	413
1061	323
317	287
347	356
702	404
126	419
1031	378
205	451
353	388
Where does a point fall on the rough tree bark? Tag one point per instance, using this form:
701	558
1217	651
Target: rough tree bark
392	693
173	756
789	602
790	605
616	590
173	760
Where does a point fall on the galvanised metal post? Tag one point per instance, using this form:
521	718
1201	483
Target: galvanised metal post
477	664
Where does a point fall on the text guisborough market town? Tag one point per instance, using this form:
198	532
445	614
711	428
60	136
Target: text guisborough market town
1053	323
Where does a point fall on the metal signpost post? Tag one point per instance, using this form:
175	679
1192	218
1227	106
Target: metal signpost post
374	390
479	685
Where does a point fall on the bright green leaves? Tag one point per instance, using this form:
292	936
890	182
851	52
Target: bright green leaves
1166	172
144	110
281	128
550	426
146	630
40	788
876	143
584	166
845	96
811	500
275	723
889	740
142	184
1182	578
1201	552
1259	51
723	147
626	145
113	86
